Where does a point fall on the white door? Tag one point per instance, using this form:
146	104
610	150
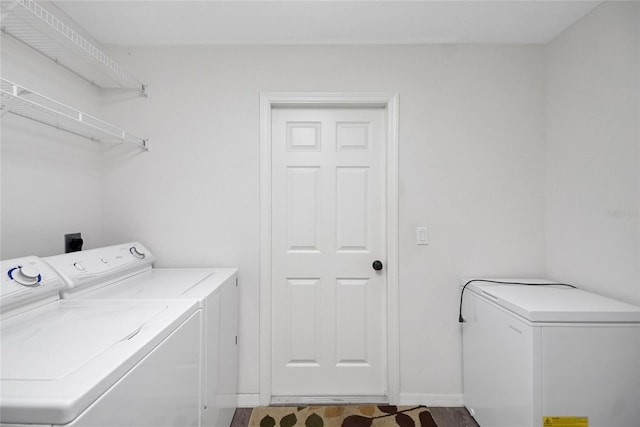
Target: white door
328	228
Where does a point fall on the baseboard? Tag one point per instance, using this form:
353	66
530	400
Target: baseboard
252	400
432	399
248	400
328	400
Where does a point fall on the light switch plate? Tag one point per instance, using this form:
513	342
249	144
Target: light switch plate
421	236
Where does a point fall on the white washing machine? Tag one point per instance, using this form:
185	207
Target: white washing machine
93	363
93	274
549	356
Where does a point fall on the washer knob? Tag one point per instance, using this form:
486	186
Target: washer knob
25	275
136	253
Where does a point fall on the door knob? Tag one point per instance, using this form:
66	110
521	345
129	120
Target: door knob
377	265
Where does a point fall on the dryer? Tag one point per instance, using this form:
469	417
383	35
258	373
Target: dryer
95	275
90	362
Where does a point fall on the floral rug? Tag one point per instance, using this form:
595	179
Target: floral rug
342	416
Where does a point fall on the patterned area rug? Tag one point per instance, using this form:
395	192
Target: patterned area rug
342	416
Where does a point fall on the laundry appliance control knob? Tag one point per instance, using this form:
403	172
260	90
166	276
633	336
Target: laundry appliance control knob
25	275
136	253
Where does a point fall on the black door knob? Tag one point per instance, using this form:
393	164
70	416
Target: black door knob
377	265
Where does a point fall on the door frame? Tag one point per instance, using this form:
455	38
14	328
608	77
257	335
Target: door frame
390	102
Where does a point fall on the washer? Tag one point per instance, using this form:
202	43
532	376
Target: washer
533	355
93	363
94	274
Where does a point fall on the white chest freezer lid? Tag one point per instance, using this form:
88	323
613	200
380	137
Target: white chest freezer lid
59	358
166	283
556	303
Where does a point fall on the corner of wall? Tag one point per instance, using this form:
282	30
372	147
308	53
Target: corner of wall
592	171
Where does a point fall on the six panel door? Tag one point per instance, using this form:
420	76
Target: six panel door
328	226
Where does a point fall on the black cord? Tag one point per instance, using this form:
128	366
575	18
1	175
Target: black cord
501	282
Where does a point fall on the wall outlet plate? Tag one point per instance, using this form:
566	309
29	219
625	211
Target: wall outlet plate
71	242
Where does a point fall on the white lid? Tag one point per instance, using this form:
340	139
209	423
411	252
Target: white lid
58	359
556	303
55	341
166	283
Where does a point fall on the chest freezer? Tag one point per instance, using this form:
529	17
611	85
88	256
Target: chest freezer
535	355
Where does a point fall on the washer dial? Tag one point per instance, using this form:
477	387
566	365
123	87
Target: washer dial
25	275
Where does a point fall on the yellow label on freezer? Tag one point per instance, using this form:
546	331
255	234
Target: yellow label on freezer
565	421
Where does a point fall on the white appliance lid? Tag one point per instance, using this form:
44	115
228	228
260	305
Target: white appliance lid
165	283
556	303
59	358
52	343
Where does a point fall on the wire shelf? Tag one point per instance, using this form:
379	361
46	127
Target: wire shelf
30	23
18	100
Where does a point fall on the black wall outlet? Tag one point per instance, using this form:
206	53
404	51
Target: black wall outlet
72	242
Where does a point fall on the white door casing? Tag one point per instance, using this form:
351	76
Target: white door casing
328	210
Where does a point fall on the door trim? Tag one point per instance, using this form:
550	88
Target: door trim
389	101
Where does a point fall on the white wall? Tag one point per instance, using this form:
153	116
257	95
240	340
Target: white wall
471	150
51	180
593	191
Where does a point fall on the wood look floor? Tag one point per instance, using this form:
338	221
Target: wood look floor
453	417
445	417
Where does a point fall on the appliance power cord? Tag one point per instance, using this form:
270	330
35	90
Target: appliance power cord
503	282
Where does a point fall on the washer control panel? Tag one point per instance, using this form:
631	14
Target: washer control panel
89	269
27	280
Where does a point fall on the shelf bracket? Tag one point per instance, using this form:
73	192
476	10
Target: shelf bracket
7	108
9	105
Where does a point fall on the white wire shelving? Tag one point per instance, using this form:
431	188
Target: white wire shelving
30	23
18	100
